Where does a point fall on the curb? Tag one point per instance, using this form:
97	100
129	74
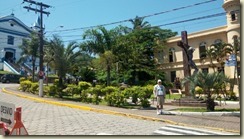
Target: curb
120	113
206	113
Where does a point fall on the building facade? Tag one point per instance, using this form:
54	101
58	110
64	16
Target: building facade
171	59
12	33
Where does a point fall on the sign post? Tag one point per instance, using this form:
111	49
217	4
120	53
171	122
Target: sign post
7	113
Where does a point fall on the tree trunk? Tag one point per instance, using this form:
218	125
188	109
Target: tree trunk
60	86
108	75
210	102
33	69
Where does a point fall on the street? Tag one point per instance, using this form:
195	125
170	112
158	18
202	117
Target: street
47	119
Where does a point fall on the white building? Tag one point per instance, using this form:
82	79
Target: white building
12	33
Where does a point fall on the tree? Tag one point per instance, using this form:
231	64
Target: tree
64	58
138	23
209	55
136	53
220	51
208	82
101	41
30	47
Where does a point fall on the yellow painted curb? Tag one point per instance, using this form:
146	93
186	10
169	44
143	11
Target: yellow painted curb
115	113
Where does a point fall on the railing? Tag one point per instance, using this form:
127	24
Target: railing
11	67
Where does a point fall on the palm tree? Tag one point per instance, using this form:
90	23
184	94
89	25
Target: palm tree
220	51
209	54
64	59
138	23
208	82
101	41
30	48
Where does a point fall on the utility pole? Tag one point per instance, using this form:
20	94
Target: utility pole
42	6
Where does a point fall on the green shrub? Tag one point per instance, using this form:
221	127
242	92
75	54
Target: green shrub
198	90
115	99
96	94
25	85
52	91
231	96
34	88
71	89
83	86
21	79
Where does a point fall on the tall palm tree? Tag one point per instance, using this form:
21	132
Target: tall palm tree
138	23
30	47
101	41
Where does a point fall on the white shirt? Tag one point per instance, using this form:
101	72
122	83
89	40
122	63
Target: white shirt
159	90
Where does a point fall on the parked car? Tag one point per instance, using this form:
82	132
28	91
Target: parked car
11	78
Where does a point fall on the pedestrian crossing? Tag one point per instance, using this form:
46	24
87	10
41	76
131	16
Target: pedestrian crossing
182	130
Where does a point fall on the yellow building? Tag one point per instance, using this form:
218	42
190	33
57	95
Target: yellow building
171	60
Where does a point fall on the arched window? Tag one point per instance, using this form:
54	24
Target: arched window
171	54
202	50
218	41
233	15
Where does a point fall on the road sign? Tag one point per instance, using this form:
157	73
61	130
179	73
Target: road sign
231	60
7	113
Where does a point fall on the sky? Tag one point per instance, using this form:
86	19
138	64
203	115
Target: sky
68	18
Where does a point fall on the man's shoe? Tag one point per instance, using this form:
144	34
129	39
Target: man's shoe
158	112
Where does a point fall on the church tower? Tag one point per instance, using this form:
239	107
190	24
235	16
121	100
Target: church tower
233	18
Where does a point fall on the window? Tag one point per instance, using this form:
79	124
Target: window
172	76
233	15
171	54
218	41
11	40
202	50
205	70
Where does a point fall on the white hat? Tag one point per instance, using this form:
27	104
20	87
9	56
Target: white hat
159	80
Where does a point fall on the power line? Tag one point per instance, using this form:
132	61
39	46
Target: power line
128	20
193	19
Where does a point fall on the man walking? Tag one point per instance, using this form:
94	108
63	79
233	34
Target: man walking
159	93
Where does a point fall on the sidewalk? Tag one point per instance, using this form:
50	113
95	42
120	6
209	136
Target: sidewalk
221	121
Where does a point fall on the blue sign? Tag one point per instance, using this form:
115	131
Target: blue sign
231	61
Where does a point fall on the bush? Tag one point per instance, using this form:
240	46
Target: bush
84	96
83	86
198	90
25	85
21	79
52	91
71	89
115	98
231	96
34	88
